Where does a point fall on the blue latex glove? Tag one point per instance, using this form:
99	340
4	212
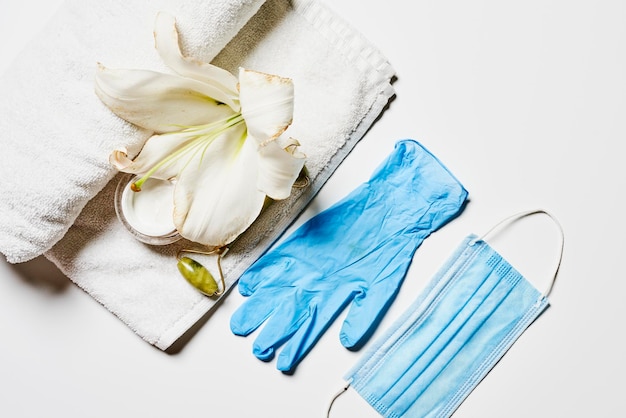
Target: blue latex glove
357	251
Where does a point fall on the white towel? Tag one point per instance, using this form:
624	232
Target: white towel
54	159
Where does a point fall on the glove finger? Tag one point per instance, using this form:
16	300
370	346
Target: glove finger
254	311
367	310
322	315
291	313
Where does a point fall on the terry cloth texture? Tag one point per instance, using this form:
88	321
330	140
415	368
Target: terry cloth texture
56	136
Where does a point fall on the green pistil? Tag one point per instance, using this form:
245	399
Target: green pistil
203	134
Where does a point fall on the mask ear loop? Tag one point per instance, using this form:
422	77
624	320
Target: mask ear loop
521	215
338	394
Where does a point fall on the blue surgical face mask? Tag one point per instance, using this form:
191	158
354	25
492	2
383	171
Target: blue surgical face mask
469	315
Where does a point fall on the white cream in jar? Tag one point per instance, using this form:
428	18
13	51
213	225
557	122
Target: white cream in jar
147	214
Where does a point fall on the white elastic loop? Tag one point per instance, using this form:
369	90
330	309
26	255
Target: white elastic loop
338	394
523	215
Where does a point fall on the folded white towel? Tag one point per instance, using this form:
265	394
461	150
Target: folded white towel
54	159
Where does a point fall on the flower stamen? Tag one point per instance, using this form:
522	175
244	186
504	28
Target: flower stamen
199	136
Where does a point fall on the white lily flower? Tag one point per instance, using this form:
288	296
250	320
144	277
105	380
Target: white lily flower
216	135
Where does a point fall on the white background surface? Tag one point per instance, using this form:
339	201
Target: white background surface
525	102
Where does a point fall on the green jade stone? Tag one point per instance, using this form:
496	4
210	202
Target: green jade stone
197	275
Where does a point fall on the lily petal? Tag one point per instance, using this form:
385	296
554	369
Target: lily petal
216	197
166	44
279	167
119	159
158	102
266	104
153	155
